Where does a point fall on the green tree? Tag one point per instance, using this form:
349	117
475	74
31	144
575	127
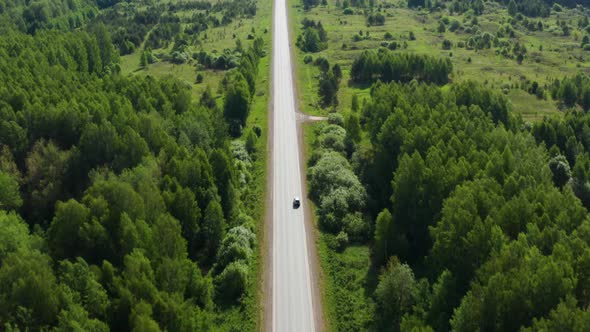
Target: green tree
251	139
167	239
9	195
141	319
231	283
237	101
310	41
46	167
14	235
561	170
64	232
85	286
512	9
568	92
29	293
396	292
383	246
212	229
224	173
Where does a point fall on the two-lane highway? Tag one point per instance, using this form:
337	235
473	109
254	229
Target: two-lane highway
292	307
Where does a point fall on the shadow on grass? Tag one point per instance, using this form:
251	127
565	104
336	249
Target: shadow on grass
359	85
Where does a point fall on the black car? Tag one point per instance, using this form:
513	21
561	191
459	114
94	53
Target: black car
296	202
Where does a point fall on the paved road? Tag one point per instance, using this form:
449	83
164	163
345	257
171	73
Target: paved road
291	285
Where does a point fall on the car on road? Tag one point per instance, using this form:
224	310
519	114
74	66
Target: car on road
296	202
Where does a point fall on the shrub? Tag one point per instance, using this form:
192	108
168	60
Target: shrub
388	36
322	63
257	130
341	240
332	137
231	283
336	119
348	11
455	25
236	246
251	141
307	59
355	227
446	44
199	78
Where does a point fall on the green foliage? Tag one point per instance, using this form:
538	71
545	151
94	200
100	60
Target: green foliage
237	102
29	293
463	181
14	235
376	19
336	188
10	198
447	44
251	139
399	67
232	281
126	180
512	8
561	170
384	231
314	38
396	292
213	228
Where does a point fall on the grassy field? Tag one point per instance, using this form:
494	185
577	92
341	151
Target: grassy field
215	40
560	55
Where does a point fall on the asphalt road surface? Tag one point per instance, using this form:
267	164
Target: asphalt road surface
291	280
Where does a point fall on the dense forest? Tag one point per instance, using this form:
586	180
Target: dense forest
452	179
123	202
473	225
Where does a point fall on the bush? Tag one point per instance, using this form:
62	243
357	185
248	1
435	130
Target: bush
348	11
323	63
341	241
388	36
332	138
257	130
455	25
307	59
231	283
336	119
251	139
199	78
236	246
446	44
587	47
179	57
355	227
